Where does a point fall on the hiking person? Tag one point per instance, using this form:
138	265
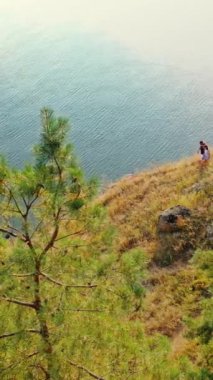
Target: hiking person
201	150
206	153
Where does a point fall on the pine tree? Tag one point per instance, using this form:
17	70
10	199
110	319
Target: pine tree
70	304
44	220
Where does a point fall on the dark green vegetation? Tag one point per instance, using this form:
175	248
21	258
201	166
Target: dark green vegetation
85	292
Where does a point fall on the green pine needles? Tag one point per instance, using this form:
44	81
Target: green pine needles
57	267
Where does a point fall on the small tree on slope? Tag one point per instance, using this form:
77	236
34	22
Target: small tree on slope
43	217
63	291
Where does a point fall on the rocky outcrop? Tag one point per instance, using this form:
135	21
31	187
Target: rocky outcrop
173	219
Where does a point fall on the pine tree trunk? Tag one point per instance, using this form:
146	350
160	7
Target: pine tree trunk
44	332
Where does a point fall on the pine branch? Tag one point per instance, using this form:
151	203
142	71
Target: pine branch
15	201
36	229
6	231
33	200
73	233
22	274
65	285
24	200
29	241
86	370
32	354
58	167
14	229
16	204
13	365
29	205
85	310
8	335
17	302
54	235
52	240
27	235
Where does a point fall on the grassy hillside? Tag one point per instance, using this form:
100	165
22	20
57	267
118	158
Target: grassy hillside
134	203
178	284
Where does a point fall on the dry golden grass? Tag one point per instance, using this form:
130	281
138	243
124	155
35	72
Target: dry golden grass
134	204
170	298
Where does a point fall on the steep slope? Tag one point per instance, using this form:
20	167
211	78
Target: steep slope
135	202
178	286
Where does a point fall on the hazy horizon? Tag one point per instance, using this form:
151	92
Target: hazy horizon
168	32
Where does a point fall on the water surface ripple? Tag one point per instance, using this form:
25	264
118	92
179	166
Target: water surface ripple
126	115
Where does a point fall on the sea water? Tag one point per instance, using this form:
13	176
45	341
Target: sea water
127	111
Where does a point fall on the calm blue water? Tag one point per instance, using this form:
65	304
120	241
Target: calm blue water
126	114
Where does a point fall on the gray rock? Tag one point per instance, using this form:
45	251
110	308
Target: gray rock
171	219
